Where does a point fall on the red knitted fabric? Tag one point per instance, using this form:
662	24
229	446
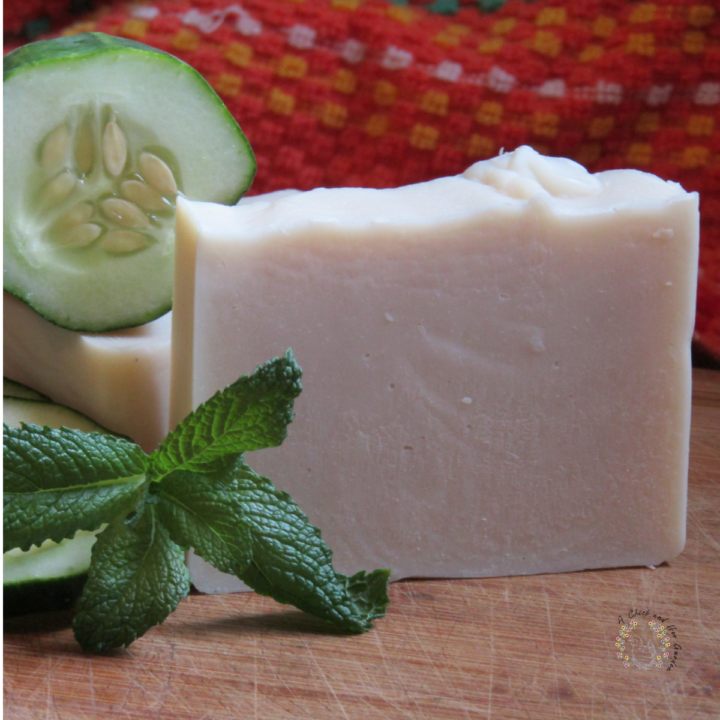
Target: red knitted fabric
366	93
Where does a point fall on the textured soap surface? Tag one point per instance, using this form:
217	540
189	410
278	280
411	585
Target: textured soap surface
496	365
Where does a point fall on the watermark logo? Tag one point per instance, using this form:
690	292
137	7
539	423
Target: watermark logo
646	641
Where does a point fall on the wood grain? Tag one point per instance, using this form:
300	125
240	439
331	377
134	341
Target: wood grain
530	648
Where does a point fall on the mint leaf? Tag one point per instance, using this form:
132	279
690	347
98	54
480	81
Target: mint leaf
137	577
251	414
56	482
207	517
290	561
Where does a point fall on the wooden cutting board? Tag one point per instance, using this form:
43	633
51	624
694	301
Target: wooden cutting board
523	647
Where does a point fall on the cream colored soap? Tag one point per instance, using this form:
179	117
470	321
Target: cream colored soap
119	379
497	373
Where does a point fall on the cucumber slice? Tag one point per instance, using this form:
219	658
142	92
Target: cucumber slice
49	577
18	390
42	413
101	135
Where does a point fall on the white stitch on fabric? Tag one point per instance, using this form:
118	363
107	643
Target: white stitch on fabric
144	12
396	59
658	95
552	89
208	23
500	80
707	93
610	93
352	51
301	37
449	71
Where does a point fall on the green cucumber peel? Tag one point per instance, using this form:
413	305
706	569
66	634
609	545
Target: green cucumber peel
101	136
194	491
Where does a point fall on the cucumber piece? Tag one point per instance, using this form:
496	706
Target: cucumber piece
18	390
49	577
47	414
101	136
52	576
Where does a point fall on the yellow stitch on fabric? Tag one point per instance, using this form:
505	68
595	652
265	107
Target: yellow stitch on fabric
376	126
134	27
504	26
693	42
591	53
648	122
385	93
435	102
600	127
641	44
226	84
604	26
694	157
701	15
546	43
292	66
402	14
446	39
239	54
346	4
186	40
281	102
490	46
79	28
639	154
424	137
551	16
701	125
489	113
333	115
545	124
345	82
480	146
643	13
457	29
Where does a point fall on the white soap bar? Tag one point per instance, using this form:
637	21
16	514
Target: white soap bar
119	379
497	372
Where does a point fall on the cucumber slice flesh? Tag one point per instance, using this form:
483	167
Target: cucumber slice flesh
18	390
101	135
52	576
47	414
50	560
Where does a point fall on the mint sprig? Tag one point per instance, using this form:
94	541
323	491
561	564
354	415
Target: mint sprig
59	481
280	554
193	491
137	577
251	414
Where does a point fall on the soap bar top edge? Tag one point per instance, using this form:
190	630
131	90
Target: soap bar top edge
511	184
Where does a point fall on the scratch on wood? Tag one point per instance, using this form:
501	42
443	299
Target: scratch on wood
492	662
325	679
552	646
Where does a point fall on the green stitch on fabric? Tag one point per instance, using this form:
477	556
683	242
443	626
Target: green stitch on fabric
444	7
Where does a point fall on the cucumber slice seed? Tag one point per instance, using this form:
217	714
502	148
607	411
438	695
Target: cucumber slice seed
101	135
95	190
